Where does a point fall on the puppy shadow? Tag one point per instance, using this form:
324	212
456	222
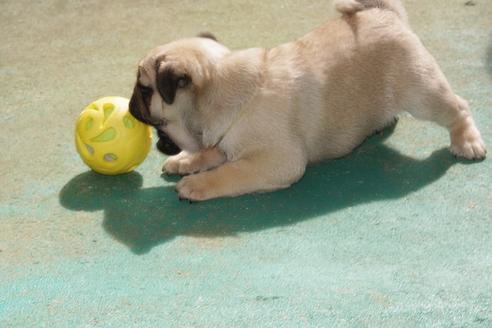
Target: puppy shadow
143	218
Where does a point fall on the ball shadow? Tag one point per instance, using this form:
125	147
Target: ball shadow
143	218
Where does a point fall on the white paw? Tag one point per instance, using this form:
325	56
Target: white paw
467	143
181	165
194	188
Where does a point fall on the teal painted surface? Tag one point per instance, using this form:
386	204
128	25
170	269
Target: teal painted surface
397	234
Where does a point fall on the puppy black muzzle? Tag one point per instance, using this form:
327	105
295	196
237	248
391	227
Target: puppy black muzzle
166	145
140	111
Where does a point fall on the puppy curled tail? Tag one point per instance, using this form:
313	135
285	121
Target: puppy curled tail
350	7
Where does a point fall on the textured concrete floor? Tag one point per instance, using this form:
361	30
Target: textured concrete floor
396	235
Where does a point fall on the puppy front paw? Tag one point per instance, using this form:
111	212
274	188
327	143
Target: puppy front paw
171	165
181	165
195	188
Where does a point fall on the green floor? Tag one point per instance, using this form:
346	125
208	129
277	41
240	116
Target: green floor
398	234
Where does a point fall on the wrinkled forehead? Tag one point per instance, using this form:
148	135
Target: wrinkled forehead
147	66
183	52
145	75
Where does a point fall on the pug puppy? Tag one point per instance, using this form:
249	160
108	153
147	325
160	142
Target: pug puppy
251	120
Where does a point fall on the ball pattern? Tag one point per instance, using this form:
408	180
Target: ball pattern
109	139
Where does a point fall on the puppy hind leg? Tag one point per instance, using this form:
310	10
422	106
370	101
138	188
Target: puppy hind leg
466	140
435	101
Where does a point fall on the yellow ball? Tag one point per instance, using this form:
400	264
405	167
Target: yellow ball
109	139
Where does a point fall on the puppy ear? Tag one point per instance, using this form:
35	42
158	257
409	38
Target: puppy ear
166	84
168	81
207	35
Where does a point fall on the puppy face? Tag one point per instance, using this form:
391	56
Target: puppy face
169	81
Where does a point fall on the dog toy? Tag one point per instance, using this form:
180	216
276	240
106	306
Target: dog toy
109	139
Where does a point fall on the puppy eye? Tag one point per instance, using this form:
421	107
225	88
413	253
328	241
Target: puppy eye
146	91
183	81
